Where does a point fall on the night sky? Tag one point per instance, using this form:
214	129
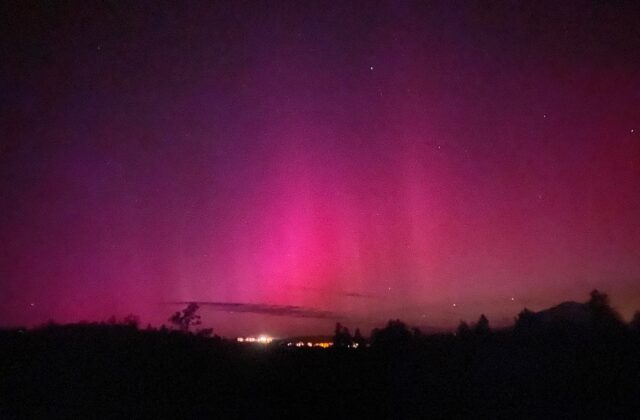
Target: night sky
298	164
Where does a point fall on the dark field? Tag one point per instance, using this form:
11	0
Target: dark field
118	371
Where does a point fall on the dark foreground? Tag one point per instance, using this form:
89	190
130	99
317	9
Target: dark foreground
118	371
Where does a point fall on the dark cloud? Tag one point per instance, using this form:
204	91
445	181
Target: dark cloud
257	308
359	295
341	293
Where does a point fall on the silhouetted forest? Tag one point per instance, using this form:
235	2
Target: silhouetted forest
576	360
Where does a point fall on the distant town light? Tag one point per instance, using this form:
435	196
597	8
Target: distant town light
263	339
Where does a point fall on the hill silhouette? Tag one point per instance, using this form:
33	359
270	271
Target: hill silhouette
566	312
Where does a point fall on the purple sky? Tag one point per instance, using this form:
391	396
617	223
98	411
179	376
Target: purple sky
298	164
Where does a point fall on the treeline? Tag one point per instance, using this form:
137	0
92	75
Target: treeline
574	361
595	318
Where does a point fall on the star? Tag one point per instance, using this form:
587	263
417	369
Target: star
371	68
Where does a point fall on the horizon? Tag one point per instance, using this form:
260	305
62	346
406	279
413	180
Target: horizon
425	329
296	165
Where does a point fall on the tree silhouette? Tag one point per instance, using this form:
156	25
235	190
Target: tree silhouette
131	321
634	325
463	330
396	333
341	336
417	333
599	301
186	318
358	338
482	326
603	317
525	320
